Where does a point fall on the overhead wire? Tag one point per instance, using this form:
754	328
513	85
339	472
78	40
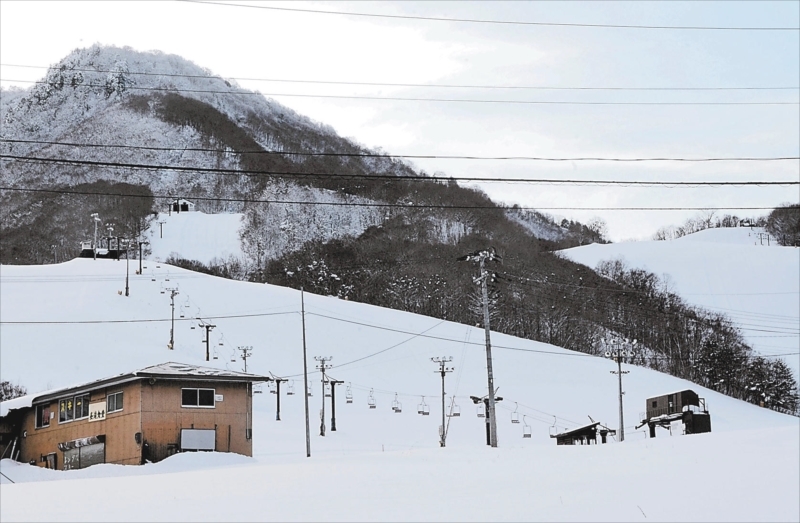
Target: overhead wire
373	204
390	178
410	98
496	22
406	156
400	84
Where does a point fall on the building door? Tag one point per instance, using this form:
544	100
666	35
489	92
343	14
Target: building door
671	403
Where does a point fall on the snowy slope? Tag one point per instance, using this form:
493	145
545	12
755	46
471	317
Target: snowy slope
726	270
379	464
195	236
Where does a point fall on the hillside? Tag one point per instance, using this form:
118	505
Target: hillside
121	133
157	121
729	270
384	352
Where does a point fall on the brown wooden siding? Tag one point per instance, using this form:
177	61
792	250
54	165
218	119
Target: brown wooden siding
163	417
118	427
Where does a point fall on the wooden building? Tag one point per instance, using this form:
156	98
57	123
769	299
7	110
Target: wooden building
685	406
585	435
132	418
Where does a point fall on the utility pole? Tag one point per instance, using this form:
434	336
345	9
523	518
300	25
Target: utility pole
617	355
333	402
247	351
127	265
161	228
443	370
96	219
323	367
55	259
305	372
481	257
172	293
278	382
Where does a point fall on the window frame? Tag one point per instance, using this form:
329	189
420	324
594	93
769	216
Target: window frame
85	400
39	415
198	406
120	401
71	414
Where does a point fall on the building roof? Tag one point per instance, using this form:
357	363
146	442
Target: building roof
588	427
167	371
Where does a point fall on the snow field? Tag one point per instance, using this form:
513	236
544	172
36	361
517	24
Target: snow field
378	465
727	270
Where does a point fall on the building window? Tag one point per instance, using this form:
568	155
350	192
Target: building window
197	398
73	408
82	406
655	404
114	402
42	416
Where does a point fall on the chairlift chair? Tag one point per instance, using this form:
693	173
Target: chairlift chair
455	410
526	429
397	407
481	410
423	408
290	389
349	394
553	428
515	414
327	390
371	399
258	388
309	393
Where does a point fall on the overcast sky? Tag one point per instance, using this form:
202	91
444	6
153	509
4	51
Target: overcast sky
244	42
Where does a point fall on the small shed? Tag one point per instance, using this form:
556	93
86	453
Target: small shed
685	406
132	418
585	435
181	205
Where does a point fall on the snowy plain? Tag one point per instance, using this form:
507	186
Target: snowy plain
379	464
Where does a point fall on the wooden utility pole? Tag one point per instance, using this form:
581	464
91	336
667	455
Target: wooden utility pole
305	372
247	351
443	370
617	355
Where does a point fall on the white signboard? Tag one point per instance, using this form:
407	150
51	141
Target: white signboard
198	439
217	397
97	411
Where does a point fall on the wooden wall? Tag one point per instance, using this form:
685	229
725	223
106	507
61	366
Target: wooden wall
163	417
118	427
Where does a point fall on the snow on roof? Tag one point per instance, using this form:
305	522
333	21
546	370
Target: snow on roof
166	370
184	369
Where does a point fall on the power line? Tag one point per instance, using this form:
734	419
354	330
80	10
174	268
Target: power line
498	22
151	320
401	98
399	84
385	178
410	156
378	204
